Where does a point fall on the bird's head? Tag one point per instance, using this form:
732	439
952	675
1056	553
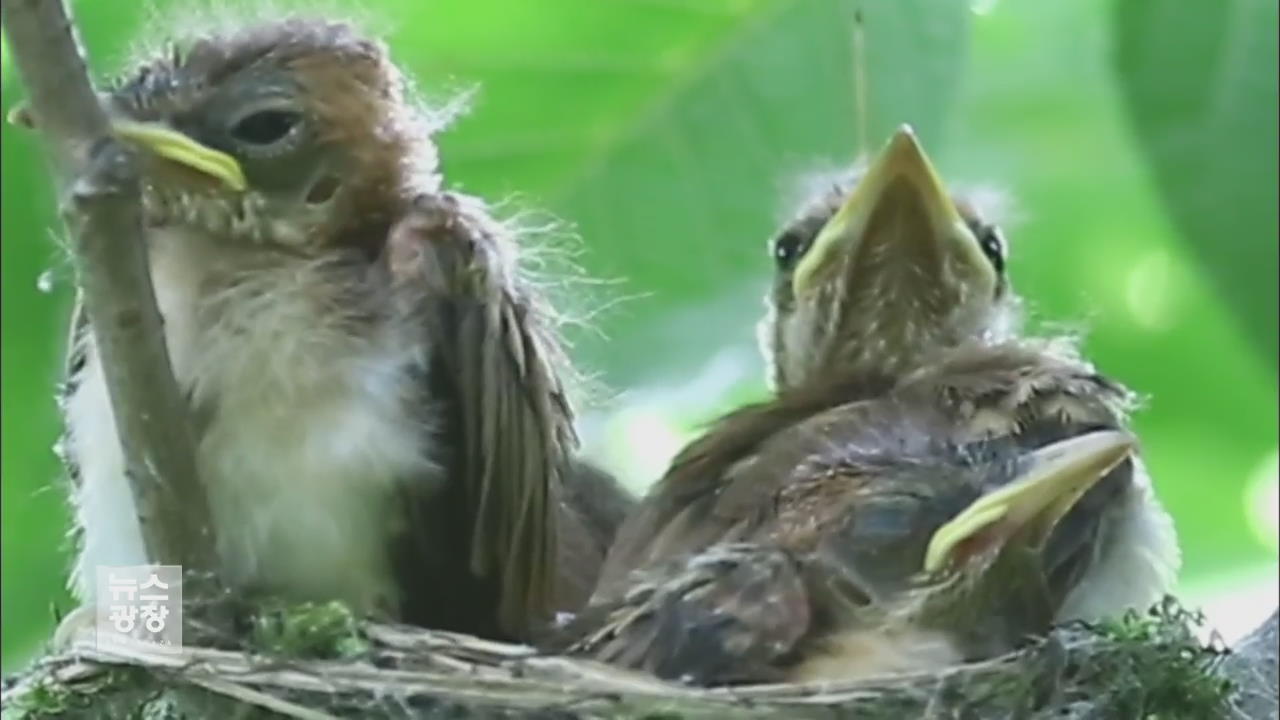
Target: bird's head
1020	501
291	134
880	269
994	573
961	540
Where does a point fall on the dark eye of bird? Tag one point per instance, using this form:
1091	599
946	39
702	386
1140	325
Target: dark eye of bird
787	249
992	246
266	127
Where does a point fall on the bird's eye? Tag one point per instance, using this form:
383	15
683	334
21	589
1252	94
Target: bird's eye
992	246
787	249
266	127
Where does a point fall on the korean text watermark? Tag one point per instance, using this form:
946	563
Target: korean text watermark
140	604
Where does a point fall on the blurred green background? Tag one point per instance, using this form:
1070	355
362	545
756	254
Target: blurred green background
1137	138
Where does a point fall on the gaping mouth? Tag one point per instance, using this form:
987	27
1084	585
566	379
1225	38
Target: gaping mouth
1031	505
179	148
898	219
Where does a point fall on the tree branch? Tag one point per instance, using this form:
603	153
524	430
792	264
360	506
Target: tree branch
99	188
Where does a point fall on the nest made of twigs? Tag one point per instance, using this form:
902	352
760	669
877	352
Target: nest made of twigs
1137	667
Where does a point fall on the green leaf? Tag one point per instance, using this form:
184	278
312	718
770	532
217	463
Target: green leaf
1199	82
669	133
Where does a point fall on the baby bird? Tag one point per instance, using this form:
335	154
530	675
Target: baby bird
892	327
376	390
873	561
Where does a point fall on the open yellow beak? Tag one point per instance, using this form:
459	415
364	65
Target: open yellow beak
1058	475
179	148
901	206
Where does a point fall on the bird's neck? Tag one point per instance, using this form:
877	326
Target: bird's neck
235	314
849	374
876	349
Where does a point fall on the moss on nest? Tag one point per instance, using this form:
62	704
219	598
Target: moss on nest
116	692
315	631
1160	669
317	661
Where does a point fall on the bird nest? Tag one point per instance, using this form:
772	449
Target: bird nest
318	662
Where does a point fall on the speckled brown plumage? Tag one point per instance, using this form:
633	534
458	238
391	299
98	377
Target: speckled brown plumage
883	405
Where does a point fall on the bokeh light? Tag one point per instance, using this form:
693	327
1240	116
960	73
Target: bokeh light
1262	502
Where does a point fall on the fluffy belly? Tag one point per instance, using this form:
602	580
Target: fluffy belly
303	496
293	519
1138	557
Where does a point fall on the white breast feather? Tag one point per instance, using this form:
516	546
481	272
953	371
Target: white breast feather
312	429
1138	558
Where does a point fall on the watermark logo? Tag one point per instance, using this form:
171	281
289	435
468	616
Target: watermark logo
140	604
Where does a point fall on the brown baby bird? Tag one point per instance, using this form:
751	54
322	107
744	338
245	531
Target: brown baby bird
789	541
377	391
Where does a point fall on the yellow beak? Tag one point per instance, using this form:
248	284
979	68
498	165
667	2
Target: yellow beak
900	206
179	148
1058	475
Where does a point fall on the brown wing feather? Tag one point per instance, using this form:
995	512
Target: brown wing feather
1034	391
778	476
728	614
594	506
514	425
704	466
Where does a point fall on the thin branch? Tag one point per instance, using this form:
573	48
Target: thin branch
99	185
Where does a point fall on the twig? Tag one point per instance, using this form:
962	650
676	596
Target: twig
99	183
250	696
1078	672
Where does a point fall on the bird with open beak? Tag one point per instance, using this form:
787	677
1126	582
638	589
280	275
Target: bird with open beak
891	335
376	390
